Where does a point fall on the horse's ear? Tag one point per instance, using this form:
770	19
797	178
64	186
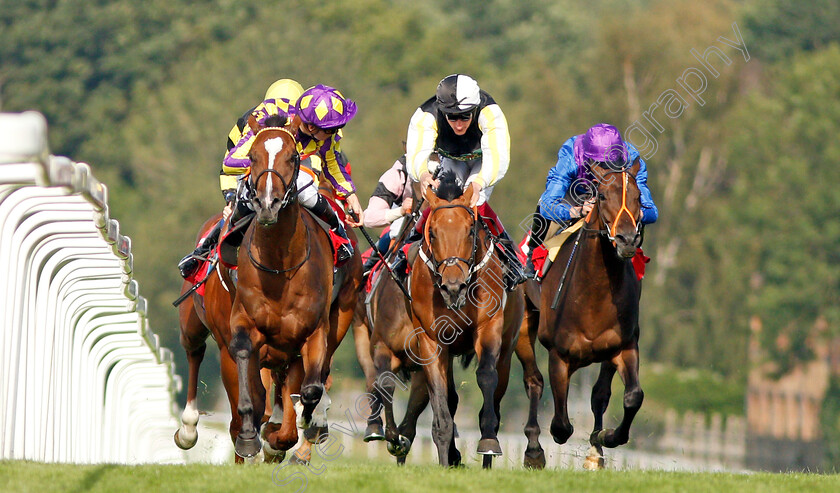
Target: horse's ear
430	195
468	194
294	125
637	165
253	124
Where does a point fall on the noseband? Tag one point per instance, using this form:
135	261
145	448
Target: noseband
471	267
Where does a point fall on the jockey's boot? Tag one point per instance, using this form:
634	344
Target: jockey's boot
190	263
539	227
369	263
325	212
513	270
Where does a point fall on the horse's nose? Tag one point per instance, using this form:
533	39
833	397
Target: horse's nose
628	240
453	289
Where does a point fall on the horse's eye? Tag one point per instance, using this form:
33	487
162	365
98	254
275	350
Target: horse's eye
601	196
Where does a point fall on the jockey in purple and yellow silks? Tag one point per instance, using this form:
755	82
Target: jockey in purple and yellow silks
568	186
318	141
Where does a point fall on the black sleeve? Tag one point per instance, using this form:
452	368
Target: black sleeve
383	193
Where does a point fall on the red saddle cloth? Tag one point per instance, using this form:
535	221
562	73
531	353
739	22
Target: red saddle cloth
336	240
640	260
203	270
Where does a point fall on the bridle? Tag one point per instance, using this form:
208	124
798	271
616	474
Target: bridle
609	231
291	186
289	196
467	266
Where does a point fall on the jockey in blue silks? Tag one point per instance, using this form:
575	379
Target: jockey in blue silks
568	187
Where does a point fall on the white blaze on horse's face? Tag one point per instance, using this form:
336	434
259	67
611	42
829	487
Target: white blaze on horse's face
272	147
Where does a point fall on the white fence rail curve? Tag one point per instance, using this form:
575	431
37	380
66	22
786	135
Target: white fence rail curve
83	379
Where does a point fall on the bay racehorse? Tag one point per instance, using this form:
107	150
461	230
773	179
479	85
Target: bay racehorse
460	307
288	303
200	316
392	328
594	318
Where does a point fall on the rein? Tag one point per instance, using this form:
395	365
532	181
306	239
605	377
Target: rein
256	263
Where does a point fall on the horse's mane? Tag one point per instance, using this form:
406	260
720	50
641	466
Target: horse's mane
449	188
275	121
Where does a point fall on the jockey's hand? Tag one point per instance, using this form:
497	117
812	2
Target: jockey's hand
476	194
427	180
353	202
407	206
583	210
227	211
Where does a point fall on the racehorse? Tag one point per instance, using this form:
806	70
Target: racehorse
456	263
589	309
392	328
288	302
199	317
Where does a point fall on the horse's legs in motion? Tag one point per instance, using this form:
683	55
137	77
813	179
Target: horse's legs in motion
251	390
193	337
418	399
601	393
361	337
503	369
436	371
534	454
487	351
274	423
382	404
452	400
627	363
559	373
314	354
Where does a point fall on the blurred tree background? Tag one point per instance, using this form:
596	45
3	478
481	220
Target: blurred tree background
746	181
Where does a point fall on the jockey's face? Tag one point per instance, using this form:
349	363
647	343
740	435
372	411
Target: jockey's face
317	132
459	122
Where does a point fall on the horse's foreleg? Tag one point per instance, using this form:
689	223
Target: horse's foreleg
601	392
559	374
193	337
436	381
383	392
627	363
533	379
247	367
312	394
418	399
488	348
275	421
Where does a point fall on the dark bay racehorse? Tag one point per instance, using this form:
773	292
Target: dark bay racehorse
460	307
287	303
596	319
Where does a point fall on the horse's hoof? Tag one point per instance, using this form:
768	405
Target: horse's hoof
534	459
594	460
401	448
297	461
487	462
272	455
247	447
374	432
187	441
489	446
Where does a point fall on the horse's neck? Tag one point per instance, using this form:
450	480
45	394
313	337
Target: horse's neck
280	240
597	255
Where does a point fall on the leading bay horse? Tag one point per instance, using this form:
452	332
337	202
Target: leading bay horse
288	303
594	318
460	307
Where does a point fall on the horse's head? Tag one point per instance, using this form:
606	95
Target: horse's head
275	164
618	208
451	237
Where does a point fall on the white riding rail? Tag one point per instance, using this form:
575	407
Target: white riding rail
82	377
